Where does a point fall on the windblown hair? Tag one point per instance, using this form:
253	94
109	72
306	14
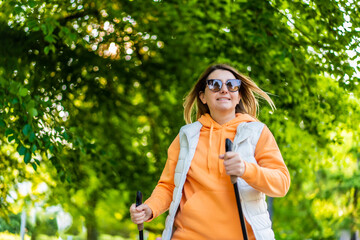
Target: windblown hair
247	104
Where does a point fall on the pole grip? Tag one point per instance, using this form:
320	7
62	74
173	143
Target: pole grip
228	148
138	203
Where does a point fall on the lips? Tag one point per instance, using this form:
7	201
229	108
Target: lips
222	99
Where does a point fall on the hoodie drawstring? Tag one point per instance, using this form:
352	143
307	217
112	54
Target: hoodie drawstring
209	150
221	148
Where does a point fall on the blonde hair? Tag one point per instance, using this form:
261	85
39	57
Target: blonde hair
247	104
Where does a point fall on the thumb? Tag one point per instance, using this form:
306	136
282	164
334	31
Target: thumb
222	156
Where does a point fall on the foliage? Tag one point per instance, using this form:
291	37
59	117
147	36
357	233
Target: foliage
12	226
95	88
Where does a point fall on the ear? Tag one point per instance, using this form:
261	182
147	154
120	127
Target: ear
202	97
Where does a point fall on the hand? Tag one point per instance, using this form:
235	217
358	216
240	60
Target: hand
234	165
140	214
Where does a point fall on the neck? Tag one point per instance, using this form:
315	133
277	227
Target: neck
223	118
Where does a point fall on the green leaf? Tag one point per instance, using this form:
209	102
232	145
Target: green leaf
12	137
65	135
23	92
27	157
34	166
37	162
32	4
68	178
62	175
30	104
22	150
27	130
12	3
32	137
33	148
52	48
33	112
73	37
14	87
3	81
65	30
50	38
46	50
8	132
46	140
2	123
43	28
18	10
14	101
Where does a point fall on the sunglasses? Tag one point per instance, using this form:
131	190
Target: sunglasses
215	85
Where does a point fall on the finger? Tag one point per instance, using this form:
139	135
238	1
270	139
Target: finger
229	155
141	207
133	208
138	217
138	220
231	162
221	156
235	170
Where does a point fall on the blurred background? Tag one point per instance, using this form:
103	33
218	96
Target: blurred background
91	97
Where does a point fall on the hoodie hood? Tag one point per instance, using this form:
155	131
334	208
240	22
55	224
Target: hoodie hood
218	133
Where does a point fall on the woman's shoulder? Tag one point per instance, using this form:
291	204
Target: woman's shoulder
191	126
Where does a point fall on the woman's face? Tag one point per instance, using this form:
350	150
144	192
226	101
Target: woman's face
223	101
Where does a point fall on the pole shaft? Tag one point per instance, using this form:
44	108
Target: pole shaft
228	148
241	215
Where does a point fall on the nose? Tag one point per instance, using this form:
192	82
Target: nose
224	88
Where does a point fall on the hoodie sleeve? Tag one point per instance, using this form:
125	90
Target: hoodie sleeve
161	197
270	175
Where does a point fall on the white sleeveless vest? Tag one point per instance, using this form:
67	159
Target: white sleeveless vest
252	201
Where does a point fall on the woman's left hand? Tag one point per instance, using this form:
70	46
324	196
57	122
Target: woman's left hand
234	165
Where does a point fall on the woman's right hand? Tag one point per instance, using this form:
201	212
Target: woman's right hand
140	214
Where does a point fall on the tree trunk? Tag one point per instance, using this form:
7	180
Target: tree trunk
92	233
90	222
354	214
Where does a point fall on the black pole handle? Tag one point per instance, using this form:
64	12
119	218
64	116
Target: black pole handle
228	148
228	145
138	198
138	203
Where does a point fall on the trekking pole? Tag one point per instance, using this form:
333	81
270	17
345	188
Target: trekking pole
228	148
140	226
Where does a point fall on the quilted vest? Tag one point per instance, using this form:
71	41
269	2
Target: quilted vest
252	201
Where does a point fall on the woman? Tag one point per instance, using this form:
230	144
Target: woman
195	185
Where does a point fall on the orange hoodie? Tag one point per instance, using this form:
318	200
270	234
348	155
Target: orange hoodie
208	207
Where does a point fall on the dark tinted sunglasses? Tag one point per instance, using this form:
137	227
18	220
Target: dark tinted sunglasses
215	85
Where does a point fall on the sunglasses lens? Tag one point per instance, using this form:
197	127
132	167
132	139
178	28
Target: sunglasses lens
214	85
233	85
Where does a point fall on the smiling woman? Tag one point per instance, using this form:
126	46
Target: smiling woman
195	180
218	97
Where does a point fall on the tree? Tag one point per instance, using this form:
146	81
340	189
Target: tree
96	87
